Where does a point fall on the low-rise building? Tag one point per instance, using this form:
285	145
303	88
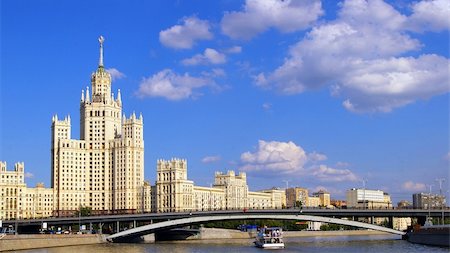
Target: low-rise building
296	196
175	193
368	199
324	198
401	223
427	200
38	202
404	204
313	202
338	203
19	202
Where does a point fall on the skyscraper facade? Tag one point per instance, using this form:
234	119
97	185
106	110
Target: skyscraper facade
104	170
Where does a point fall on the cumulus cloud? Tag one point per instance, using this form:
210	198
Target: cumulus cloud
211	159
185	35
430	16
115	74
259	16
234	50
342	164
28	175
316	157
214	73
172	86
413	187
281	158
328	174
210	56
370	73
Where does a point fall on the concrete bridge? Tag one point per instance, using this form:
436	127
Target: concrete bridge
131	234
120	222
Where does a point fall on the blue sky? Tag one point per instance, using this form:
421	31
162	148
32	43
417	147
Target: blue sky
322	94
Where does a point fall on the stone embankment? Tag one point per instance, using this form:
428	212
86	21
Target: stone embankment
218	233
207	235
22	242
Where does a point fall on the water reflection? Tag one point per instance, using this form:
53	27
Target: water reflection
391	244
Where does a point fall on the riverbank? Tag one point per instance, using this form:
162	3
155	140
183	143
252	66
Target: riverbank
22	242
218	233
207	235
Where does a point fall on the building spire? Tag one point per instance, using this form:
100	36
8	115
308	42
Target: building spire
119	97
100	61
88	100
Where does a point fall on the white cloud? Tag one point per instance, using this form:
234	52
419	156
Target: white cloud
211	159
184	36
258	16
384	84
280	157
316	157
234	50
342	164
328	174
115	74
430	16
447	156
267	106
172	86
368	73
215	72
414	187
210	56
28	175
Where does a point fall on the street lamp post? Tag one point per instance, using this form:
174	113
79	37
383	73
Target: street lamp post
429	203
364	181
440	181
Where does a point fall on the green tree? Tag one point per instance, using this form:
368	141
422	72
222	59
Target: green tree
84	211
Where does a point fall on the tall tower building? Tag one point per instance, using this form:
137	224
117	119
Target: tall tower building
104	170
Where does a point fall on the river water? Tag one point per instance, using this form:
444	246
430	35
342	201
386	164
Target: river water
342	244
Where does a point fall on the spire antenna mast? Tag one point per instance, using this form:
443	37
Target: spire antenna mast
101	40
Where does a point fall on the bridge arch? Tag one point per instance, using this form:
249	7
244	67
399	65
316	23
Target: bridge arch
152	228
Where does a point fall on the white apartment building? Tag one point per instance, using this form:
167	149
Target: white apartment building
369	199
175	193
103	170
19	202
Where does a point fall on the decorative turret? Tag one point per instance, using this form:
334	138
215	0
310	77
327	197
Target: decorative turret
119	97
88	100
101	79
82	96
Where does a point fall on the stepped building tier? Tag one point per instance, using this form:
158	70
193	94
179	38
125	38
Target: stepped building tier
104	170
19	202
175	193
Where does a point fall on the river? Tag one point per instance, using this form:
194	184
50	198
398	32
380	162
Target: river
343	244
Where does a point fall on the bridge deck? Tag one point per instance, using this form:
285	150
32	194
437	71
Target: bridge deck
148	229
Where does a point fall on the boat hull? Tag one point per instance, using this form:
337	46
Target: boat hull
433	235
269	245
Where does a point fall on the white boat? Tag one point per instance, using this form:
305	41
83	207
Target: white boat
270	238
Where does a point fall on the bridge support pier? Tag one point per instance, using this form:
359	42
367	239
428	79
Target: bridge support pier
134	223
117	227
421	220
391	222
